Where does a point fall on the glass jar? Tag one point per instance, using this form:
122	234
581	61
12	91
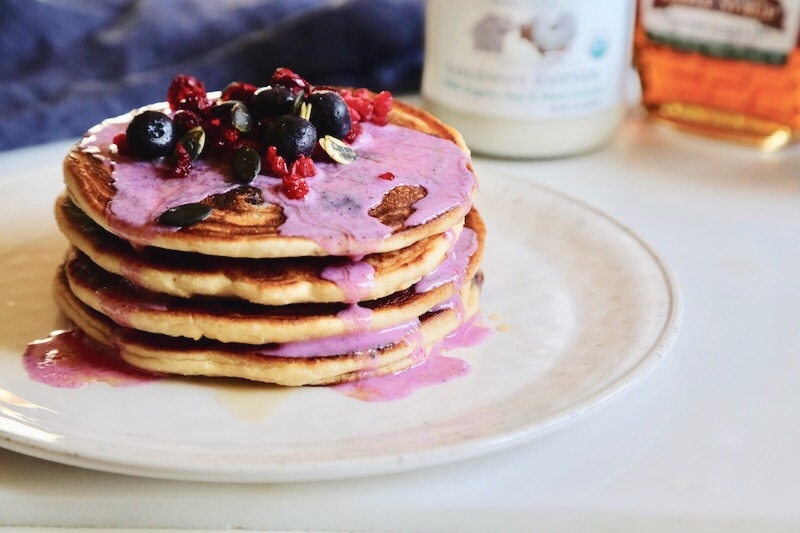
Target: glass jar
528	78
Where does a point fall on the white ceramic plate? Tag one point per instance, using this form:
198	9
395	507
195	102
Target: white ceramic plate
583	309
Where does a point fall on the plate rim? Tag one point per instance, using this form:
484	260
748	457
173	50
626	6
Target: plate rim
380	464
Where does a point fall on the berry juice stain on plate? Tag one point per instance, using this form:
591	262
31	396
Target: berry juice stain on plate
67	359
436	369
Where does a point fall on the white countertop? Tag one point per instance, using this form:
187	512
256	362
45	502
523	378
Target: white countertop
708	442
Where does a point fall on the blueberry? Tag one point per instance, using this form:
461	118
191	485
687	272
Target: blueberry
151	134
292	135
329	114
272	102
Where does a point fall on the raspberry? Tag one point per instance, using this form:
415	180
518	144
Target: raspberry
229	138
187	92
197	103
303	167
294	187
276	162
186	120
362	106
380	120
290	178
386	176
366	107
382	103
239	91
355	131
278	166
183	162
224	141
121	140
287	78
220	138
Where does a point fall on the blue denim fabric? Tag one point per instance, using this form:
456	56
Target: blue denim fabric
67	64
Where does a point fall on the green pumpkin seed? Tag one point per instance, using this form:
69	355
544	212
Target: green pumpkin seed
246	164
241	119
299	100
194	141
185	215
337	150
236	112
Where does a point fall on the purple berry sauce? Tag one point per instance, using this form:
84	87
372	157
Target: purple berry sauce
68	359
335	214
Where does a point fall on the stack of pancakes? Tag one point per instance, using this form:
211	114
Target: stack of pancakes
233	296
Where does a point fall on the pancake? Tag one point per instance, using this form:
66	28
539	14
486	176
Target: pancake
351	258
278	281
231	320
181	356
432	191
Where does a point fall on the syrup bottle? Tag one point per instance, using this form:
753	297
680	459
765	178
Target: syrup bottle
724	69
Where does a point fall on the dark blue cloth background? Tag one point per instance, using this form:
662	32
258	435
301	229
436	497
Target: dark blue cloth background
67	64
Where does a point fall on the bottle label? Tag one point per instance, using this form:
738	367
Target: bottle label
762	31
527	59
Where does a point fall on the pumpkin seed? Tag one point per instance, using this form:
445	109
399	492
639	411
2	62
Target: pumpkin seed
246	164
185	215
299	100
305	111
237	112
194	141
241	118
337	150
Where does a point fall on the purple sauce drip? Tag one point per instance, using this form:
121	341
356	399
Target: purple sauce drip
343	344
68	359
454	266
469	333
116	304
357	318
454	302
356	279
434	370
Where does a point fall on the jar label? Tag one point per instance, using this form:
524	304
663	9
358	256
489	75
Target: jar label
527	59
762	31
